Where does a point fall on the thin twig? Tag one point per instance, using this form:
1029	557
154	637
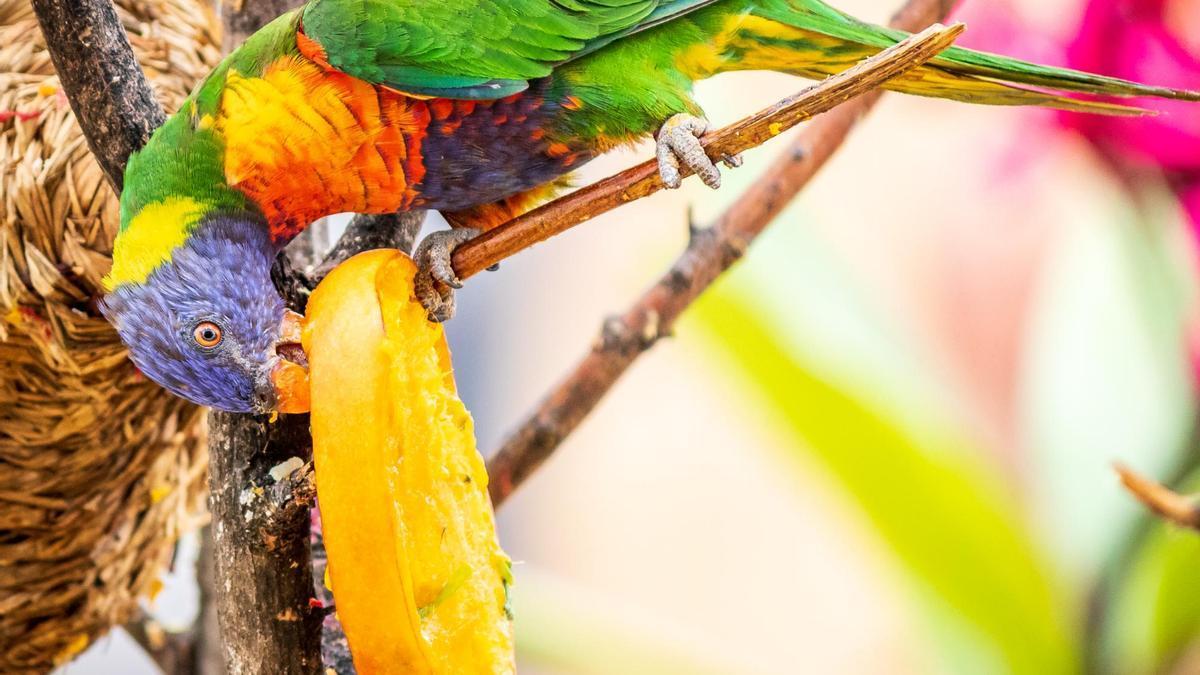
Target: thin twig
1168	504
643	180
1121	562
709	253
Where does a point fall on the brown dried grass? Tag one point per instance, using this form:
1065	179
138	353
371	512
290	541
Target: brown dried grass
100	470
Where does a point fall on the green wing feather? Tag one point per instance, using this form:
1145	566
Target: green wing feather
475	50
970	67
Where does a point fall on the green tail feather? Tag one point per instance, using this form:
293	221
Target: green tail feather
967	75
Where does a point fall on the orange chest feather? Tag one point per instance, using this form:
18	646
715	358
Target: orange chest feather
303	141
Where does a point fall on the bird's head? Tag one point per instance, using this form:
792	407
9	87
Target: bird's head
191	296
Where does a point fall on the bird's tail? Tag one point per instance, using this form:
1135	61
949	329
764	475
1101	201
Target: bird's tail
811	39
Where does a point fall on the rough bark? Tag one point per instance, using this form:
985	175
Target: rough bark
107	89
260	542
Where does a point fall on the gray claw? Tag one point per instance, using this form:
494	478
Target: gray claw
678	146
435	281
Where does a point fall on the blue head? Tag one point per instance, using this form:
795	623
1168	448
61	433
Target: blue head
207	324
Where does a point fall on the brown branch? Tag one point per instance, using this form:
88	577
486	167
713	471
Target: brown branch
709	253
106	87
1162	500
643	180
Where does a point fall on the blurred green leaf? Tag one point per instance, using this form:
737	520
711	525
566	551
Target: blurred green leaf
1155	616
933	500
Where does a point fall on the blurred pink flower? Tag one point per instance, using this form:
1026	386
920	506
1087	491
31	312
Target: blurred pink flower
1191	200
1141	40
1133	39
1151	41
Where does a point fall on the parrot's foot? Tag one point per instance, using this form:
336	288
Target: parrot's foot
679	146
435	281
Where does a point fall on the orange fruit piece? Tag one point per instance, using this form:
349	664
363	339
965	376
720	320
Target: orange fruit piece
419	580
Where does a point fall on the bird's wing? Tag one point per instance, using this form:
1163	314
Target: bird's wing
472	49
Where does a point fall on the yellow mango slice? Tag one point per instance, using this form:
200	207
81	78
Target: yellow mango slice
419	580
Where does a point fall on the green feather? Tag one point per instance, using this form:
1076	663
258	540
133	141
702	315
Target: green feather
816	15
185	156
482	49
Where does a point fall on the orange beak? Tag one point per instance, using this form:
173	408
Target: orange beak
290	373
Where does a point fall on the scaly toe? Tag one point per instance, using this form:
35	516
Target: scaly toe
668	169
435	250
678	146
435	280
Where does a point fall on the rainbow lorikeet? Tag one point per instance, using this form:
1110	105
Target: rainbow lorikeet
468	107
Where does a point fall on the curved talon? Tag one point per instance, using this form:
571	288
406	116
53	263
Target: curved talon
678	145
436	281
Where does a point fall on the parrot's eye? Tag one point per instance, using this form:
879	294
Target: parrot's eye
207	334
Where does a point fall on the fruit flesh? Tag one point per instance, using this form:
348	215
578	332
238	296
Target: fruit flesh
419	581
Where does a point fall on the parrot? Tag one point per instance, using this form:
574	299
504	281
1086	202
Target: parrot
475	108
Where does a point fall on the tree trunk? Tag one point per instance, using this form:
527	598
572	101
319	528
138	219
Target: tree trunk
264	575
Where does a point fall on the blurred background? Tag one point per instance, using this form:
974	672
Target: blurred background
883	443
